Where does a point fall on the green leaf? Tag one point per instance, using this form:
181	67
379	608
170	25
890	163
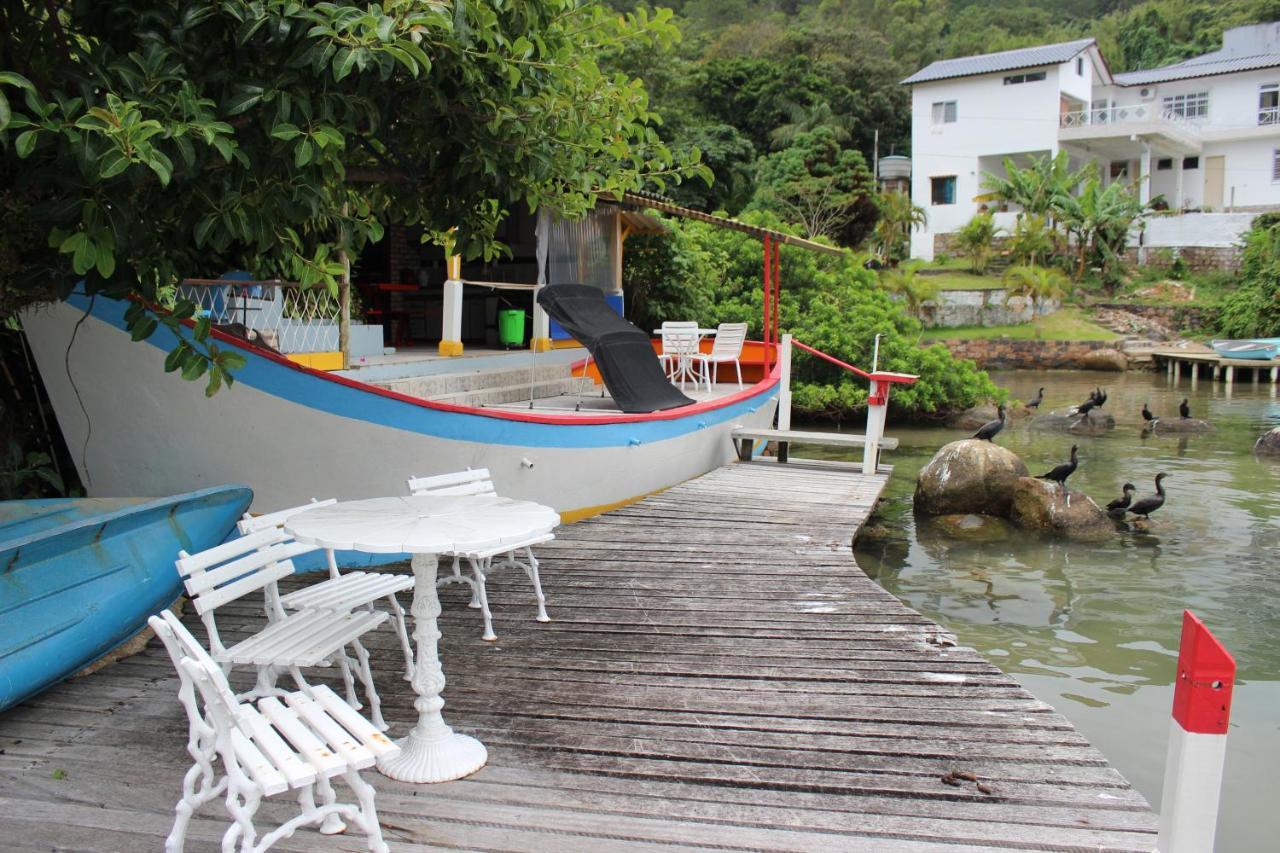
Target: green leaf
106	262
231	360
285	130
343	62
162	166
201	330
6	115
85	256
112	163
25	143
215	381
174	359
243	100
11	79
302	154
195	368
143	328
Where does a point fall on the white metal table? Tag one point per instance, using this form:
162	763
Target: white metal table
683	368
425	526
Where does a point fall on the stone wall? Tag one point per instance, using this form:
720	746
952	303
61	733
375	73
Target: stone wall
1011	354
954	308
1176	317
1197	258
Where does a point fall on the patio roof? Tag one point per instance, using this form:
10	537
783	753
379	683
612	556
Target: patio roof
655	202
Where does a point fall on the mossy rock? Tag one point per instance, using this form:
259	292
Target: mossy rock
1172	426
1095	422
1045	507
1268	444
968	476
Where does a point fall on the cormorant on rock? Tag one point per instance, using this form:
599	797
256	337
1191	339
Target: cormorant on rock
1035	404
1120	504
1146	414
988	430
1097	397
1087	406
1184	409
1060	473
1148	505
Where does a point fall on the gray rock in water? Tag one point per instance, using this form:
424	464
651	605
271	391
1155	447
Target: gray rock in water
1268	443
974	418
972	527
1104	359
968	476
1043	507
1095	422
1181	425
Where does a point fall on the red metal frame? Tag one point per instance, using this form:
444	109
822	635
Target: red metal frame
1206	675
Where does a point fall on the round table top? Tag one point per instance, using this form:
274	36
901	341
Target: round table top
422	524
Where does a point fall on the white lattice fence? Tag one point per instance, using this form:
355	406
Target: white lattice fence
291	318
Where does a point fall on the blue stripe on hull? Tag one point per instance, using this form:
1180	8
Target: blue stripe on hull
346	401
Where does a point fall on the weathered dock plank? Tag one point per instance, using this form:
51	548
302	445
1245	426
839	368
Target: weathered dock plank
719	674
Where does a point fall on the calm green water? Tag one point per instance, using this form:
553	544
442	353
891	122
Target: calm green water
1093	628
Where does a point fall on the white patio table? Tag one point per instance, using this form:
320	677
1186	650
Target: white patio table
425	526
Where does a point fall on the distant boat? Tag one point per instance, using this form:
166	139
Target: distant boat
1261	350
78	577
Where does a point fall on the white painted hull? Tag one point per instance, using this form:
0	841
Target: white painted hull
293	434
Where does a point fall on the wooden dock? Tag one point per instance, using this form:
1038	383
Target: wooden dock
719	674
1203	359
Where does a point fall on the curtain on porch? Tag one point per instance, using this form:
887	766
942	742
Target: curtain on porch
579	251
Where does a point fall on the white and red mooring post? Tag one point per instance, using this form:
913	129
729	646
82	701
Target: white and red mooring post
1197	741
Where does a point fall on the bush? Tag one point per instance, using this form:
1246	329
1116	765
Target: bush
976	241
831	303
1252	310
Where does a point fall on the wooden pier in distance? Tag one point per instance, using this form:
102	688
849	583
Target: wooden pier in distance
719	674
1194	361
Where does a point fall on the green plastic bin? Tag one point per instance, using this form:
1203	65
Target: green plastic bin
511	328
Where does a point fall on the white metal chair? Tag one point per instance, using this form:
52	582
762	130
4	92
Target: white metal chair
730	338
290	642
679	346
477	482
298	744
352	591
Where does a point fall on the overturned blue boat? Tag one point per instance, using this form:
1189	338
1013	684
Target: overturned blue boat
79	577
1262	350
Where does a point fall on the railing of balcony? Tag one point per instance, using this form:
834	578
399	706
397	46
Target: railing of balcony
1269	115
1123	115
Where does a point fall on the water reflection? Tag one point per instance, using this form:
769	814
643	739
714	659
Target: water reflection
1093	628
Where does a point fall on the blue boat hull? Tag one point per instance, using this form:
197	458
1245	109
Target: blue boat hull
77	578
1251	350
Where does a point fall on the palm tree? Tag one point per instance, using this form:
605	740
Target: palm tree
1100	218
806	118
1032	239
891	237
977	240
1039	284
1037	188
915	289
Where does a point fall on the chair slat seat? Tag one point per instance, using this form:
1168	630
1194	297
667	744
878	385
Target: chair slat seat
304	639
352	590
263	770
335	736
506	548
375	741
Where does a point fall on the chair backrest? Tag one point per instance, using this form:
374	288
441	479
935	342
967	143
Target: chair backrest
679	337
253	523
183	649
234	569
468	482
730	338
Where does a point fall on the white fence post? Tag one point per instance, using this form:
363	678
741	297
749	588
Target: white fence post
451	331
1197	741
877	411
784	385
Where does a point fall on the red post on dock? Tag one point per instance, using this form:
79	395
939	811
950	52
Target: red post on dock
1197	741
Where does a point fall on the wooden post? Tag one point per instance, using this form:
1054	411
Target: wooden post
451	332
877	411
1216	371
1195	373
784	394
1275	375
1231	374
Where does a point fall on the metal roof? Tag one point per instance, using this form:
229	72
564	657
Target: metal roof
1199	66
657	202
1006	60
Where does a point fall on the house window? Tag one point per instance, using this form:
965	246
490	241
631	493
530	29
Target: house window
1014	79
1099	112
943	190
1079	66
1119	170
1195	105
1191	162
1275	166
1269	103
944	112
1164	164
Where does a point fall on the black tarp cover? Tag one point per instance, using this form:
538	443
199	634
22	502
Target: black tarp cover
622	351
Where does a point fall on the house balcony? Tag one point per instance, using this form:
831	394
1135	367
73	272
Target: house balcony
1165	129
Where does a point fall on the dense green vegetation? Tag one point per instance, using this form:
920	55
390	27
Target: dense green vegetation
1252	309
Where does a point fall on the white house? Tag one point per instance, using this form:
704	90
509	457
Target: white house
1203	133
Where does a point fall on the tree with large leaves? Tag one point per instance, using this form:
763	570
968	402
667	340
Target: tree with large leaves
152	140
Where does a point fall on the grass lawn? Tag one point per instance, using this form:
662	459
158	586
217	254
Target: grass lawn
1069	324
960	280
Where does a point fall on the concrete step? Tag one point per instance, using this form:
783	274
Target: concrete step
435	386
516	392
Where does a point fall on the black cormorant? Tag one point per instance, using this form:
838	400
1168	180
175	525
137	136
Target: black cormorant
1060	473
1035	404
1120	504
988	430
1148	505
1184	409
1146	414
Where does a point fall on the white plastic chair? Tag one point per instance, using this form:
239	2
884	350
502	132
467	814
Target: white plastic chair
730	338
306	638
298	744
477	482
679	346
352	591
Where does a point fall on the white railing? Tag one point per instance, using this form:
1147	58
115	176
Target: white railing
289	317
1269	115
1120	115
